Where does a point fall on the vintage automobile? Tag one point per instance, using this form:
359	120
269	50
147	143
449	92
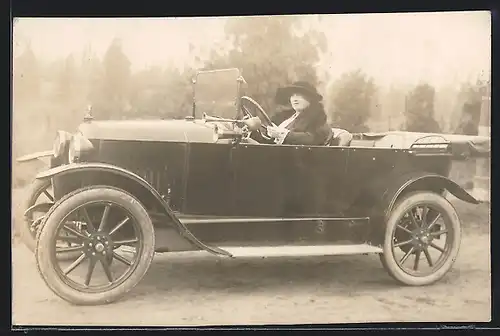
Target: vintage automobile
123	190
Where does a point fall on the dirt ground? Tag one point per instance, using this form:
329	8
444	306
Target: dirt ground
192	289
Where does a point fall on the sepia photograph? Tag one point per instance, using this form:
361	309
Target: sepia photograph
251	170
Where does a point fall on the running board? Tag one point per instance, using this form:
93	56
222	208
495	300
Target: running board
300	251
234	220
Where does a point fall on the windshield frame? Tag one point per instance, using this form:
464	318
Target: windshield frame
226	97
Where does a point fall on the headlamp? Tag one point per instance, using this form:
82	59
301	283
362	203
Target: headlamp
62	138
78	146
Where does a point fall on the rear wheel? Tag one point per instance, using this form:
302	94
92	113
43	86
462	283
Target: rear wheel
422	239
40	200
39	194
100	274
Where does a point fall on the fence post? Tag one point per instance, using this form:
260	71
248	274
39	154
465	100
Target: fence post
481	190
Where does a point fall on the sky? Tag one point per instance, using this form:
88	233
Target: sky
440	48
411	47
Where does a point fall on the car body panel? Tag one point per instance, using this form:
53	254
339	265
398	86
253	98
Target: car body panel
85	168
224	180
217	186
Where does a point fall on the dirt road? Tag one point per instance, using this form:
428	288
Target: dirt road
199	290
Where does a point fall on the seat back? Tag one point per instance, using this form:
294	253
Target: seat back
363	143
339	137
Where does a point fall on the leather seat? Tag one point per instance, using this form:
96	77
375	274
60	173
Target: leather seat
339	137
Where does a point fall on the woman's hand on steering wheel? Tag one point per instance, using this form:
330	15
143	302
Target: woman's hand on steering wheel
264	119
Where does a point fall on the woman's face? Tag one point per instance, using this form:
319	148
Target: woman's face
299	102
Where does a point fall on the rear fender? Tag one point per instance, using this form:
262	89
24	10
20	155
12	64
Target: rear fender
381	200
80	170
431	182
387	191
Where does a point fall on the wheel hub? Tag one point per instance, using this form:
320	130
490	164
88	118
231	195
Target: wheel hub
421	238
99	245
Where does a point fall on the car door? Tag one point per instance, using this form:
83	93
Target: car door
259	185
318	180
208	180
367	166
287	180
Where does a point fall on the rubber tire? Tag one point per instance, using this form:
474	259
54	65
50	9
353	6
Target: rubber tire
402	206
35	190
48	230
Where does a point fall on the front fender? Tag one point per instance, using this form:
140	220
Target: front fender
75	168
35	156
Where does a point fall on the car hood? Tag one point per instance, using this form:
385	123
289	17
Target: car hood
149	130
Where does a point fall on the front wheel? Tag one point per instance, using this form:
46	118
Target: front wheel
100	274
422	239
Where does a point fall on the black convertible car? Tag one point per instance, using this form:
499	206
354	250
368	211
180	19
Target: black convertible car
119	191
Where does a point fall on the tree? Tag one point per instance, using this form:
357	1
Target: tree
92	77
271	52
67	80
393	102
161	93
471	107
351	101
111	99
26	81
420	110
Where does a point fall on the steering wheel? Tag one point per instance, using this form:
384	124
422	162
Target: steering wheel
261	114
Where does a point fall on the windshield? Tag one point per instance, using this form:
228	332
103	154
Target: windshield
216	93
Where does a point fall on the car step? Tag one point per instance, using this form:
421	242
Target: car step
300	251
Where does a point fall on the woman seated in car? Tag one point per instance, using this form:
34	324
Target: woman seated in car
306	122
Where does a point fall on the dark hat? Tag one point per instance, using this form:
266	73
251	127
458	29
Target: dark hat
283	94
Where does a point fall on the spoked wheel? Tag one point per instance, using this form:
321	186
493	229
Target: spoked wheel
39	202
101	273
40	194
422	239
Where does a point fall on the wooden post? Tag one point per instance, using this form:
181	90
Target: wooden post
482	188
